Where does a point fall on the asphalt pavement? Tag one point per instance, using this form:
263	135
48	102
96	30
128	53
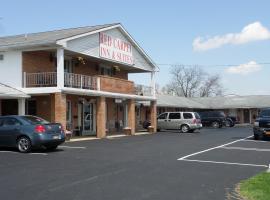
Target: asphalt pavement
166	165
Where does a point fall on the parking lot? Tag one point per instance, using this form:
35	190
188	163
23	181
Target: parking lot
167	165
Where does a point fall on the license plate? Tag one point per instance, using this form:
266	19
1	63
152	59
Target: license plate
57	137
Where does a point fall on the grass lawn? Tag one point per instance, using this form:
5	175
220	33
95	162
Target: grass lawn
257	187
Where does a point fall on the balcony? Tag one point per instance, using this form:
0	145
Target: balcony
101	83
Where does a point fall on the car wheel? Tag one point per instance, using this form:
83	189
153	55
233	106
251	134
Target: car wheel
24	144
191	131
158	130
215	124
258	137
184	128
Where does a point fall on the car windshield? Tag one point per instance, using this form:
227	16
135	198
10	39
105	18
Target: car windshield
265	113
35	120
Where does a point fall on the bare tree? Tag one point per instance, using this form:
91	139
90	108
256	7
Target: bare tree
192	81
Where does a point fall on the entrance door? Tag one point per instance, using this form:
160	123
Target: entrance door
88	119
246	116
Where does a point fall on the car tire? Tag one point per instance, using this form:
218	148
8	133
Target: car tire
184	128
24	144
191	131
158	130
215	124
258	137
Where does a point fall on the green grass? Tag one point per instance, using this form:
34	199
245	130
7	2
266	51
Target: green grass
256	188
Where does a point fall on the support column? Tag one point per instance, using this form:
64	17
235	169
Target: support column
101	117
131	115
59	108
153	115
60	67
153	83
21	106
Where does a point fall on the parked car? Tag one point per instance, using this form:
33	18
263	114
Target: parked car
185	121
261	128
215	119
28	132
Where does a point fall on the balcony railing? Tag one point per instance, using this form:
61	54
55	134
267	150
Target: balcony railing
103	83
41	79
143	90
80	81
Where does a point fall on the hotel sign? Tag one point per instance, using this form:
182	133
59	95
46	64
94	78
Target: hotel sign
115	49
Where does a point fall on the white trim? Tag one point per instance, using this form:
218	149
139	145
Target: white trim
63	42
60	67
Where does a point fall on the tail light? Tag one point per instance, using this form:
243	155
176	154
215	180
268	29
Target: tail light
194	121
40	129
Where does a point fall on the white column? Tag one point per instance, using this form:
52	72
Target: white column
153	83
21	106
60	67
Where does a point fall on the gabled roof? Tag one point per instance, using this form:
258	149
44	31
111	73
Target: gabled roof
7	92
48	37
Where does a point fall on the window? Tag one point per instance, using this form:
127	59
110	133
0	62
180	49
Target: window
31	107
163	116
197	116
68	111
35	120
11	122
106	70
174	116
265	113
1	57
187	115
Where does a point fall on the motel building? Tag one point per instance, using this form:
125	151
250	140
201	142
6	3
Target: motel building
78	77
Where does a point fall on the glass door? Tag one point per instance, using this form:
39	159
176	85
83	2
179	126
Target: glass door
88	119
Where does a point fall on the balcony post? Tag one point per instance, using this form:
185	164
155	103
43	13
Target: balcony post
21	106
153	83
60	67
24	79
98	83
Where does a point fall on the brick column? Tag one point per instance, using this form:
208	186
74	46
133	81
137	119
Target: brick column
153	115
58	108
131	115
101	117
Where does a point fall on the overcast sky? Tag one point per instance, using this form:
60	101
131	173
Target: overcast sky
231	38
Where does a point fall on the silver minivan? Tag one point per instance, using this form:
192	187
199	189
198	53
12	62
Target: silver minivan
184	121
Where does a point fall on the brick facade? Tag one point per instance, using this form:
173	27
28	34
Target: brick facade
131	115
153	114
101	117
58	108
111	84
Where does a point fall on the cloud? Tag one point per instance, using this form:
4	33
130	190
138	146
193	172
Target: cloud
252	32
244	69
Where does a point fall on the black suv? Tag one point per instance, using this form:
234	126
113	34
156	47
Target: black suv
261	127
215	119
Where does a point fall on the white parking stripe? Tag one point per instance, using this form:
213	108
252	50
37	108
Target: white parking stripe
223	145
44	154
226	163
245	149
70	147
255	141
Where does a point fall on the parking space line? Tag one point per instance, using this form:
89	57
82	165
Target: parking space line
14	152
225	163
71	147
210	149
245	149
255	141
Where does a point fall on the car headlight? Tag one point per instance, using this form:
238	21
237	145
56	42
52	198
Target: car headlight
256	123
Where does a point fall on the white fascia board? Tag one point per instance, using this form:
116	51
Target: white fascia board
40	90
106	94
63	42
50	90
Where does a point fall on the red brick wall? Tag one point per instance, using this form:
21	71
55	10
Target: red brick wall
111	84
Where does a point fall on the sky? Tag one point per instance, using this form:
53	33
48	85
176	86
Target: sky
230	38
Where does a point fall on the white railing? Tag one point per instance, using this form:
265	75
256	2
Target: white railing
143	90
41	79
80	81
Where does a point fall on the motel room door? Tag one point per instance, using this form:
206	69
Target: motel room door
88	119
246	116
